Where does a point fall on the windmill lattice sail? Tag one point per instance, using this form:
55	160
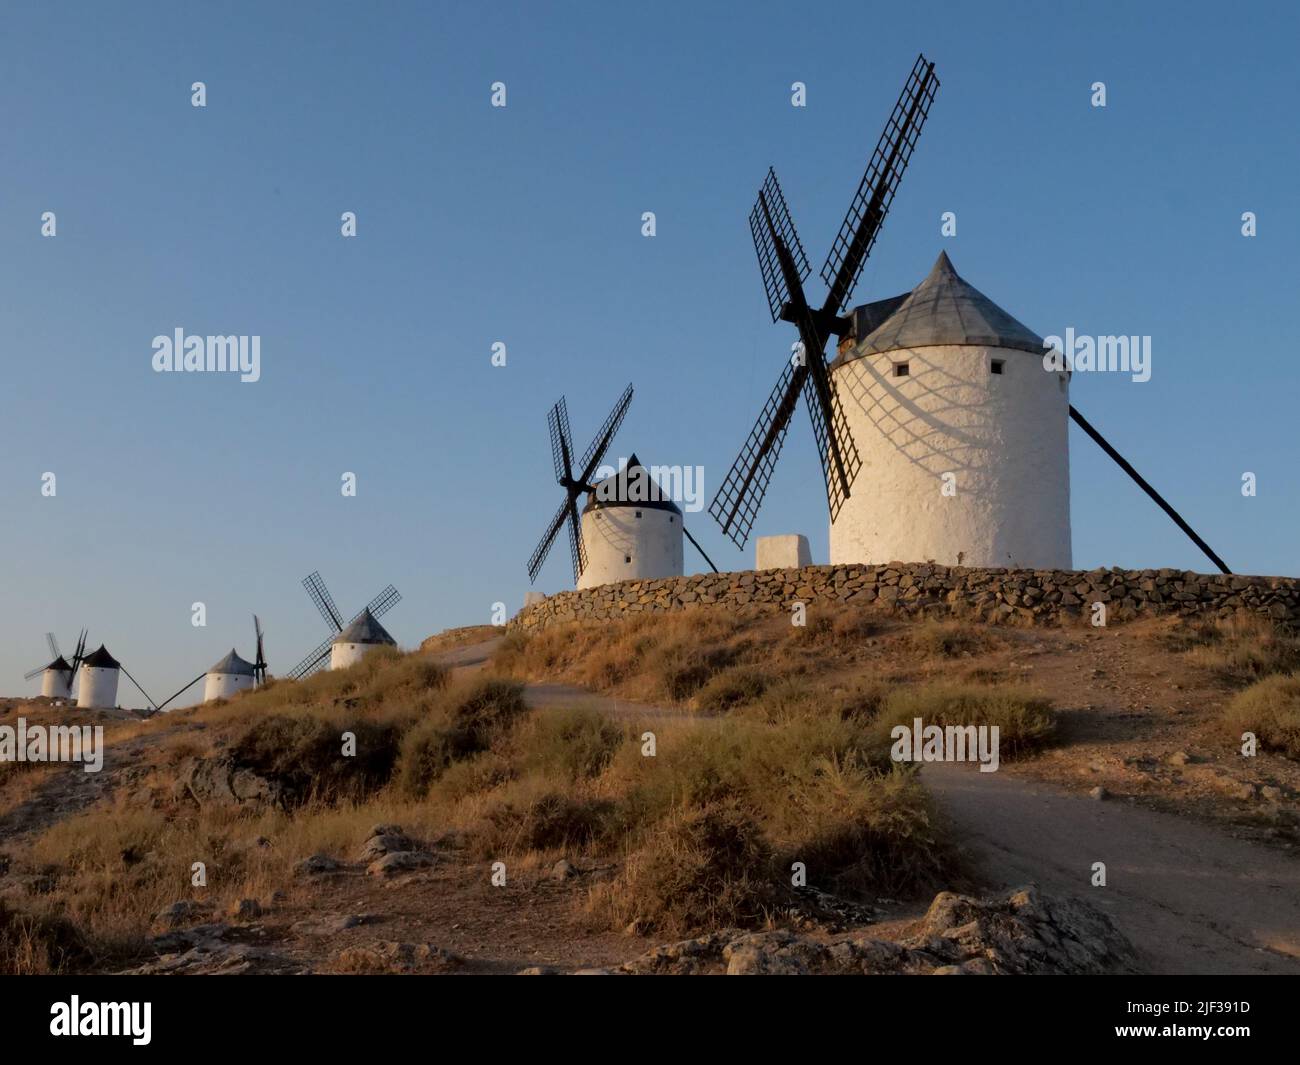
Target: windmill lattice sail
557	423
783	266
378	606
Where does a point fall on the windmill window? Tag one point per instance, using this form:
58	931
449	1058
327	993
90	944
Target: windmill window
902	369
996	366
627	559
638	513
670	520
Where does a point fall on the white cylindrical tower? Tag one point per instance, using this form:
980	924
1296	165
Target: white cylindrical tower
962	433
358	640
56	680
232	674
97	683
631	530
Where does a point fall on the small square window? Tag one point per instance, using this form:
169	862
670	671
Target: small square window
996	366
670	520
902	369
638	513
627	559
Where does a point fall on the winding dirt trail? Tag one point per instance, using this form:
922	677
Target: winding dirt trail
473	657
1190	898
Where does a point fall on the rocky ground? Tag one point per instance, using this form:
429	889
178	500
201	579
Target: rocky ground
1216	887
1017	932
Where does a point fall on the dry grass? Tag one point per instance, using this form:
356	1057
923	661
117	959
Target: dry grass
1239	650
1270	708
704	829
463	722
949	639
1025	721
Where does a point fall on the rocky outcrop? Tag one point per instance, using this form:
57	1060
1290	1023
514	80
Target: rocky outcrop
219	782
1017	934
1030	596
390	957
208	950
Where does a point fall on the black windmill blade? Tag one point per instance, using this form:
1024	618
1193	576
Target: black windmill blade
784	267
53	645
773	229
320	595
378	606
314	660
259	664
595	453
79	655
867	212
562	455
381	604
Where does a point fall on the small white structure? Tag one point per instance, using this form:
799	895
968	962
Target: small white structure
630	529
97	683
357	640
962	433
782	552
232	674
56	679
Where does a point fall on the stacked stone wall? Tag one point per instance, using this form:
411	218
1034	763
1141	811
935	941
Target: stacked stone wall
1027	596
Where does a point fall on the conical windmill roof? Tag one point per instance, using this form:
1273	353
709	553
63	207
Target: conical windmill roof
101	659
945	309
366	629
60	665
622	488
232	663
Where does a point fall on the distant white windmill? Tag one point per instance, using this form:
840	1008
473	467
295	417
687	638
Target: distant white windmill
57	676
231	675
351	641
97	682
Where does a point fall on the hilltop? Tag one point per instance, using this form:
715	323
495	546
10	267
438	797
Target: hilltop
770	749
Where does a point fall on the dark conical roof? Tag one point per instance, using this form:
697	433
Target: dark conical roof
60	665
942	309
232	663
101	659
366	629
631	486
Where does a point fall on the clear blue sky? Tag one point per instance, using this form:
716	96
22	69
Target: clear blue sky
522	225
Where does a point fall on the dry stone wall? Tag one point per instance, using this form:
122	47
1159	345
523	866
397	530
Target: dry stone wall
1032	596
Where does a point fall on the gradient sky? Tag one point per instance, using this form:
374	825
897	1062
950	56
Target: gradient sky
522	225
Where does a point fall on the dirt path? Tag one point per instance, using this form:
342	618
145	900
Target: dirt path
1191	898
473	657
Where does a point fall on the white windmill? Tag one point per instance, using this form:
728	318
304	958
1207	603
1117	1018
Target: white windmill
58	675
